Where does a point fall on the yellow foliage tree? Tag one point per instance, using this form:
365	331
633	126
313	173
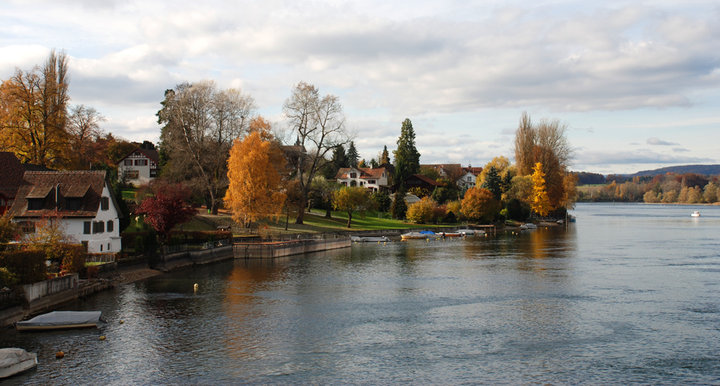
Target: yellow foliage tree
540	202
421	212
256	189
479	204
351	199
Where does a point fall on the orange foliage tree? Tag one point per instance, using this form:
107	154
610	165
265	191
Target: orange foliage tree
540	202
254	170
479	204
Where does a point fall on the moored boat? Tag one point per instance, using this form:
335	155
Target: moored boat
369	239
422	235
60	320
15	360
695	214
471	232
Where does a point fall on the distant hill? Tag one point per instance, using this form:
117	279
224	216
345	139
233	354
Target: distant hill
585	178
705	170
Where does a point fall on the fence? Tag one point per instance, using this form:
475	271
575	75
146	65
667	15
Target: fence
50	287
100	258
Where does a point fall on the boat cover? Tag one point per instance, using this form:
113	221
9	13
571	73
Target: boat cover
427	232
13	355
63	318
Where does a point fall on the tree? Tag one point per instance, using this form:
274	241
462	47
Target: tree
325	190
421	212
338	160
384	156
166	208
83	126
540	202
407	158
544	143
319	126
352	155
351	199
200	124
398	208
33	112
256	189
8	229
492	182
479	204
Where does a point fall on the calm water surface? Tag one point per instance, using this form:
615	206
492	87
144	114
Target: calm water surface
628	294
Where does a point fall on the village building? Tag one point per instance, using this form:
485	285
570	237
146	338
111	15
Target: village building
469	178
80	200
139	167
374	179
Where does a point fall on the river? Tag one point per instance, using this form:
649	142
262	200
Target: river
627	294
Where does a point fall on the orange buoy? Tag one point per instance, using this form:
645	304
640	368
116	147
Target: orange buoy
59	354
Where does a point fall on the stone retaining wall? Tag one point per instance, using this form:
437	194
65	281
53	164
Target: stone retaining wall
286	248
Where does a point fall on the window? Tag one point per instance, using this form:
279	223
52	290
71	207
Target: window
108	248
353	175
153	173
101	247
27	227
86	227
110	225
128	162
371	181
35	203
73	203
104	203
98	227
140	162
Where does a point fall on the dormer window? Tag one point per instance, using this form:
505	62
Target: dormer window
73	203
353	175
35	203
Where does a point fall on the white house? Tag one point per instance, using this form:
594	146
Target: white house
373	179
469	178
80	200
139	167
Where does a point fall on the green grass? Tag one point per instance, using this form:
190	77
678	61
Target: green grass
128	194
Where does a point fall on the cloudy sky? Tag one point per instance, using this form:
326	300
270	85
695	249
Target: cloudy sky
636	82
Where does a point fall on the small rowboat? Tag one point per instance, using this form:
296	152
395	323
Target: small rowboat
16	360
60	320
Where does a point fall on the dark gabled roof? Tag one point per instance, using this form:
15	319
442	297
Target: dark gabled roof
425	179
86	185
150	153
11	174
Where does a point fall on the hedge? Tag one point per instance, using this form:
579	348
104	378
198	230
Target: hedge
28	265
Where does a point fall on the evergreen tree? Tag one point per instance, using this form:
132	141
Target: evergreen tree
493	183
373	163
352	155
399	207
384	156
407	158
339	160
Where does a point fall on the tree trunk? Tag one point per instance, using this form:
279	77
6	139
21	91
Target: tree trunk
301	210
349	218
328	213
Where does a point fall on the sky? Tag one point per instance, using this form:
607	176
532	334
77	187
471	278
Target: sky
637	83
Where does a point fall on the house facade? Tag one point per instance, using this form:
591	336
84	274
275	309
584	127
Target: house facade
139	167
469	178
80	201
374	179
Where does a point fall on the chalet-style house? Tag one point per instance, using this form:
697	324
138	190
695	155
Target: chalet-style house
139	167
422	182
469	178
374	179
80	200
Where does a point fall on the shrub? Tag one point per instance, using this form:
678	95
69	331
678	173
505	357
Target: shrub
398	207
28	265
382	201
438	213
421	212
454	208
74	256
7	278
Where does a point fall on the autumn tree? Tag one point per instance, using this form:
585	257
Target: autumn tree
33	112
83	127
384	158
421	212
324	190
200	124
479	204
540	202
407	157
351	199
254	171
544	143
318	125
166	207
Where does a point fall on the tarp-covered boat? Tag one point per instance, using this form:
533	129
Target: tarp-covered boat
61	320
369	239
16	360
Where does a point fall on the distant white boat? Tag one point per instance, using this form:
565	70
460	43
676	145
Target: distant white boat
695	214
369	239
528	225
16	360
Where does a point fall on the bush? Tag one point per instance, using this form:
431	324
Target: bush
28	265
438	213
421	212
74	256
454	208
399	207
382	201
7	278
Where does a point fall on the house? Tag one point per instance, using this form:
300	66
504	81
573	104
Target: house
469	178
374	179
446	171
422	182
139	167
80	200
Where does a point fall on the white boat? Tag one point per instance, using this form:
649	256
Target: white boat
528	225
60	320
695	214
422	235
16	360
471	232
369	239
